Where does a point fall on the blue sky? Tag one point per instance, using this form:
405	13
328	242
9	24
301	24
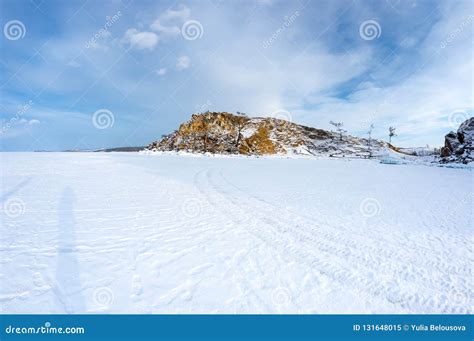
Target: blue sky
138	68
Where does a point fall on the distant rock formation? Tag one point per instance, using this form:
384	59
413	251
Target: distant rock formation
458	146
121	149
226	133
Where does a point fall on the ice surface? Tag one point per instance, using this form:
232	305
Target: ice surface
136	233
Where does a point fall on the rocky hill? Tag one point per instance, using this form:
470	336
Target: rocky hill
458	146
226	133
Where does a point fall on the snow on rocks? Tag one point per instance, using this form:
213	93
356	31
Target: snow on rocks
458	146
225	133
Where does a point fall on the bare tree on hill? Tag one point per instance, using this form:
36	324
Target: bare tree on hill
391	133
369	141
339	129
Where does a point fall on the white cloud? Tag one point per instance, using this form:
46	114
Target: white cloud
419	106
265	2
270	84
183	62
161	71
104	34
167	30
413	92
74	64
24	121
318	82
16	126
167	24
182	13
140	40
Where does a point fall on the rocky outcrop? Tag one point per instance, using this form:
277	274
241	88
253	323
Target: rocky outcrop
226	133
458	146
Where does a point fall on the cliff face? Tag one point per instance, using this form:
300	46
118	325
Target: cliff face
226	133
458	146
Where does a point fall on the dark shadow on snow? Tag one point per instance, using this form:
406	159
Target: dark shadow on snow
68	286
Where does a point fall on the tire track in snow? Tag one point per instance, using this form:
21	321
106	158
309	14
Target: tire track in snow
423	257
265	232
239	220
331	245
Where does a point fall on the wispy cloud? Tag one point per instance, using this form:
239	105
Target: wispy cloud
161	72
315	65
183	62
140	40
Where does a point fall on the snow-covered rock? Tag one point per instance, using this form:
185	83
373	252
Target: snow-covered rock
458	146
226	133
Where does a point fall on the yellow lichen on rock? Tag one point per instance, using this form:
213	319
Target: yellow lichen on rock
259	143
226	133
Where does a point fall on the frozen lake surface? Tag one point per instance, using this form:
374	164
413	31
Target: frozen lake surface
135	233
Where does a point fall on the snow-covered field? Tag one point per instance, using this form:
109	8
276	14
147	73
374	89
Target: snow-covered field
135	233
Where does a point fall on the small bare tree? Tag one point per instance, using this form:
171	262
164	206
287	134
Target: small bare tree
369	141
339	129
391	133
